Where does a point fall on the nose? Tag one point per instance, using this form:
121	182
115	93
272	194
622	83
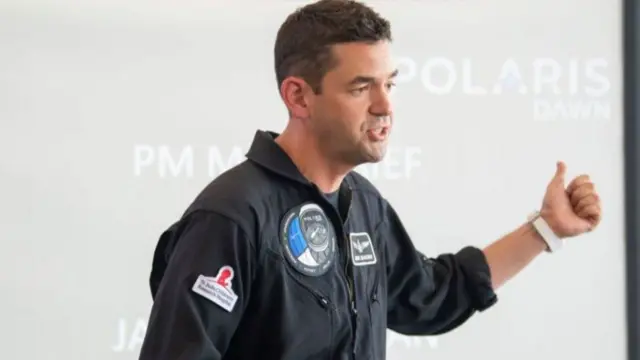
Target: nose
381	103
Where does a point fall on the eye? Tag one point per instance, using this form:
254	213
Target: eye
390	85
359	90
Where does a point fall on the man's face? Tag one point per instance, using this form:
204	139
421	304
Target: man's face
352	115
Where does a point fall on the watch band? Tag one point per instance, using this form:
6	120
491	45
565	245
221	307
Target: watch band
554	243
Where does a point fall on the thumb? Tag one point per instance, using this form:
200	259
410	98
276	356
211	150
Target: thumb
561	169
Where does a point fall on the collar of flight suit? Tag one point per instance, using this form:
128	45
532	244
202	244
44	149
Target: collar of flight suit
265	152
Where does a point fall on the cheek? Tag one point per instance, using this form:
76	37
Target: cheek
342	115
354	112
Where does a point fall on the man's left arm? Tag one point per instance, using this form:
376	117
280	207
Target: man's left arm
428	296
568	212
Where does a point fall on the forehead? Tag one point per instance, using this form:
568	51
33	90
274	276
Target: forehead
361	59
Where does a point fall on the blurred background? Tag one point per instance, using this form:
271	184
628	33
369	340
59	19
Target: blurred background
114	115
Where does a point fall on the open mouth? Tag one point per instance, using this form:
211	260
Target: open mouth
379	133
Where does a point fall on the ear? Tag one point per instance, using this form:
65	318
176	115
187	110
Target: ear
294	92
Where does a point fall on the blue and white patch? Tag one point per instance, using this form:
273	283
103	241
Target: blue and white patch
308	239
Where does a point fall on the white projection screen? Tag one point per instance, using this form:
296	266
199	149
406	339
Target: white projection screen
115	114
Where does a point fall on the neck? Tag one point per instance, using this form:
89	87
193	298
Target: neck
305	152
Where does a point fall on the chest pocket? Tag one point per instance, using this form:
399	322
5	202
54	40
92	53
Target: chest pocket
308	312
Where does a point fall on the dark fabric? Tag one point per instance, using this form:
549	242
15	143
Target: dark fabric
281	313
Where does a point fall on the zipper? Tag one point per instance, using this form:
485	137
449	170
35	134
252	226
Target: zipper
347	261
348	269
374	310
349	276
324	302
374	293
347	264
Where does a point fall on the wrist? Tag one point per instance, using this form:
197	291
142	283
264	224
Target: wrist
538	239
547	216
540	221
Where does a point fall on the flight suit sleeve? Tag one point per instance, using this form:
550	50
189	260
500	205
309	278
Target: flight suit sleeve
430	296
203	293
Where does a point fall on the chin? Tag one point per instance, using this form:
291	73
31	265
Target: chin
376	158
375	155
364	154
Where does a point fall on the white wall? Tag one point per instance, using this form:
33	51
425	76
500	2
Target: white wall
114	114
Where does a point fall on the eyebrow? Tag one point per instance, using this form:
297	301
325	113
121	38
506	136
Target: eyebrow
369	79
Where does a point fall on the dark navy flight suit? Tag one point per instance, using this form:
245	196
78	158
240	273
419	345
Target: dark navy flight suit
263	265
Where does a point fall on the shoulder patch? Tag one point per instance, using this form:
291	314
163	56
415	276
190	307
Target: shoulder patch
217	289
308	239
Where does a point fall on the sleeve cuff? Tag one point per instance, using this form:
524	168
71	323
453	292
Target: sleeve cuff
478	277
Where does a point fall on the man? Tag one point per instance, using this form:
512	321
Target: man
292	255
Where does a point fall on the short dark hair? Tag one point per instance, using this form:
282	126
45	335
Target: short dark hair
304	40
